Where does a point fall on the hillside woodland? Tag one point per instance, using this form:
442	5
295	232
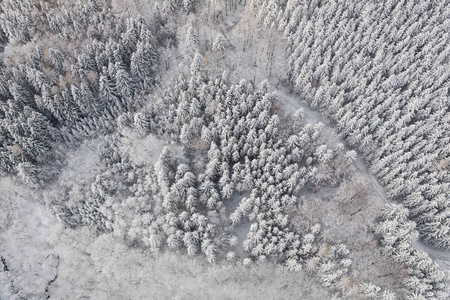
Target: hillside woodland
224	149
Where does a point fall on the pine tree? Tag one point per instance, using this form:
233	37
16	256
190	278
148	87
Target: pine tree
185	135
196	64
124	83
220	43
188	6
143	62
192	39
142	123
56	59
108	92
130	38
92	104
170	6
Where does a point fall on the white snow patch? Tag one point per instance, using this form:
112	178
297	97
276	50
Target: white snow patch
24	241
290	102
142	150
83	164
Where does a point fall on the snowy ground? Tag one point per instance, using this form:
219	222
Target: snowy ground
142	151
47	260
25	242
82	163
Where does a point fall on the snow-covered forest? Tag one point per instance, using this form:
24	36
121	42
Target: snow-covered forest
224	149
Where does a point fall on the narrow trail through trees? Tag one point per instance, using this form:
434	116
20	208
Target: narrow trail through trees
290	102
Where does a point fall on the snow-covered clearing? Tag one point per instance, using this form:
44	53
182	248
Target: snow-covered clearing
25	242
141	150
82	163
47	260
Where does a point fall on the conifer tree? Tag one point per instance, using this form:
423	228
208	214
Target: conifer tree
220	43
196	63
143	61
188	6
192	39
